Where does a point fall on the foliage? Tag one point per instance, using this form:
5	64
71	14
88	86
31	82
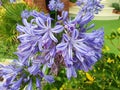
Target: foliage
104	76
73	1
115	35
10	16
116	6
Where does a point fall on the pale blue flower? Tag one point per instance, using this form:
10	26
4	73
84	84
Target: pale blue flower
49	78
56	5
46	30
25	14
46	46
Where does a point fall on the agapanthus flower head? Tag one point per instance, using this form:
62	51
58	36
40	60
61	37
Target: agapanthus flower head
92	6
56	5
45	47
15	75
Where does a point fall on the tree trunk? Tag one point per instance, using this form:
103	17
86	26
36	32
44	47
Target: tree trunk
66	5
41	4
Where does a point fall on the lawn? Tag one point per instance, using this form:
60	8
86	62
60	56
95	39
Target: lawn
109	26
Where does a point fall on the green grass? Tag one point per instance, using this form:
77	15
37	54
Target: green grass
109	26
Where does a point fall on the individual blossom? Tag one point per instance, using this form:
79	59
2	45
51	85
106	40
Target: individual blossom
56	5
46	30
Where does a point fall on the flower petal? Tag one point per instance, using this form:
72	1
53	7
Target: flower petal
49	78
65	37
53	37
75	34
61	46
40	22
38	83
69	73
25	22
78	55
20	28
70	52
29	85
57	29
40	45
49	22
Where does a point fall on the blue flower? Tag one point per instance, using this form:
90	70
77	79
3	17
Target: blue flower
80	51
56	5
46	30
16	85
46	46
34	69
92	6
25	14
49	78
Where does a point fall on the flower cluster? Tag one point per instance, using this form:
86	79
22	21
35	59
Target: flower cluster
56	5
92	6
46	46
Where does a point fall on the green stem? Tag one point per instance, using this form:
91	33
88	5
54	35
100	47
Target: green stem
55	15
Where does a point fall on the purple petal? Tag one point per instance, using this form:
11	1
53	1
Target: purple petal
40	22
69	73
78	55
61	46
40	45
70	52
20	28
47	56
25	22
34	69
50	63
49	78
57	29
49	22
84	66
75	34
65	15
40	31
65	37
38	83
53	52
74	74
78	48
17	84
29	85
53	37
45	36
